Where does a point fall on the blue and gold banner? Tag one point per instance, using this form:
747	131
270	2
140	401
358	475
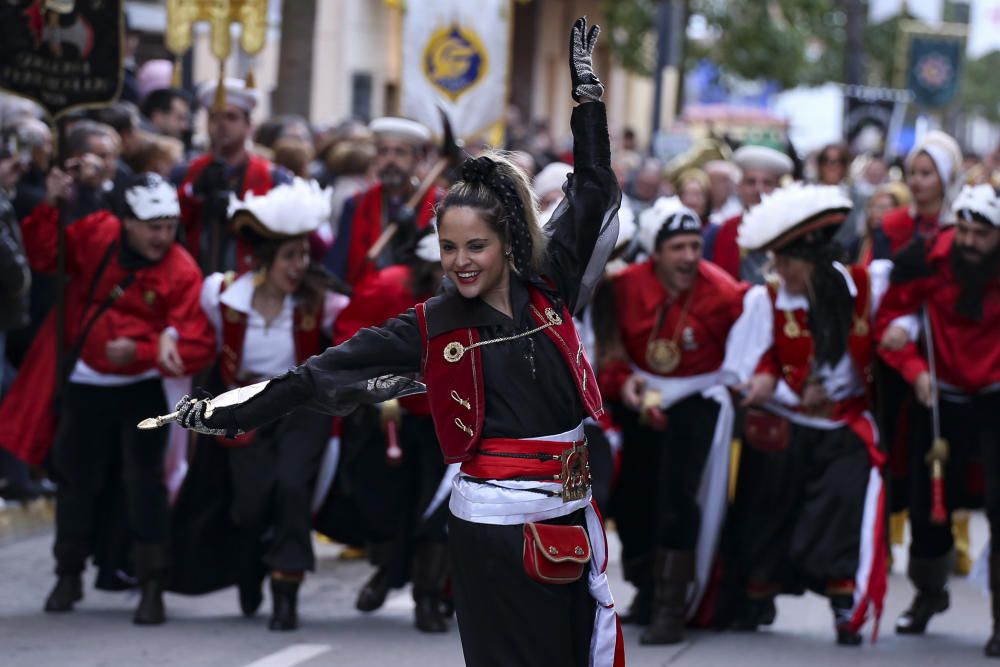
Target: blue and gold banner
934	68
63	55
456	55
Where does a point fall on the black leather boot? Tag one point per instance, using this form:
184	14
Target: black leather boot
151	571
250	574
992	648
67	592
639	573
843	606
930	578
430	569
284	602
372	595
671	578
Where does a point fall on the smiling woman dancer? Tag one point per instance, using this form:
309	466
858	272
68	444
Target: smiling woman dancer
503	367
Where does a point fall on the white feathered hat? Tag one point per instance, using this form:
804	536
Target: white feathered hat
666	211
791	213
627	226
285	212
980	200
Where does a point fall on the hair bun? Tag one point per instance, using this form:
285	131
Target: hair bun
479	170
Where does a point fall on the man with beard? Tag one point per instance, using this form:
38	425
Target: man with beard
674	312
808	507
960	294
762	169
399	144
227	169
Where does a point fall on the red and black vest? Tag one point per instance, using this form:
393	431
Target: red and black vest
793	343
453	374
306	332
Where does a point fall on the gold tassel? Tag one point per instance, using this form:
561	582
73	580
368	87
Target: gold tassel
897	527
251	81
963	545
735	450
220	91
177	76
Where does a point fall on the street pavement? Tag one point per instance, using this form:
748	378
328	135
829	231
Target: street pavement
209	631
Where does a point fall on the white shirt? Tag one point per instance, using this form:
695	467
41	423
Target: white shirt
268	348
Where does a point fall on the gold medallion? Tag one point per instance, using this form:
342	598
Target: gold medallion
861	327
553	317
453	351
149	296
307	322
663	356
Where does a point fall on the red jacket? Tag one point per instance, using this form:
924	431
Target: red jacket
967	352
715	305
366	227
256	179
726	252
898	226
161	296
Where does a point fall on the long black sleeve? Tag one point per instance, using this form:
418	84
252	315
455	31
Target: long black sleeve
374	365
592	199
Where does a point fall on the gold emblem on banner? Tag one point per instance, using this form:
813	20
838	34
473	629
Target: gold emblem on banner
663	356
454	60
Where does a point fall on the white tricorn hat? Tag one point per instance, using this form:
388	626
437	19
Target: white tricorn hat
152	198
762	157
236	90
285	212
400	128
627	226
791	213
979	201
666	212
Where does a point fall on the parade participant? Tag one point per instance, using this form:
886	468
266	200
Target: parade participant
266	321
227	169
809	510
133	317
723	177
168	111
694	190
674	312
960	294
482	349
399	146
932	175
762	169
400	481
883	200
547	186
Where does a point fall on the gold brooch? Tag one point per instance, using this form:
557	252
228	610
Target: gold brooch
553	316
307	323
861	327
453	351
149	296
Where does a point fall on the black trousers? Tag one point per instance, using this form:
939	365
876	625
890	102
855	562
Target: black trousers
656	502
100	458
797	514
392	496
273	480
504	617
972	428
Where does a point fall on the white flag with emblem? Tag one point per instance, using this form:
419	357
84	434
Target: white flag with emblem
456	55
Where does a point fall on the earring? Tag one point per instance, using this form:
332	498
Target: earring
508	252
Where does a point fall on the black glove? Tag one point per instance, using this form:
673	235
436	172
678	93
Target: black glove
586	85
192	416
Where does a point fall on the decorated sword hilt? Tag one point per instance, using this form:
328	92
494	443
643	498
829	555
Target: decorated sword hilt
156	422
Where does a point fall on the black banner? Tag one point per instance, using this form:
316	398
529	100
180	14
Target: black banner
63	59
868	116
